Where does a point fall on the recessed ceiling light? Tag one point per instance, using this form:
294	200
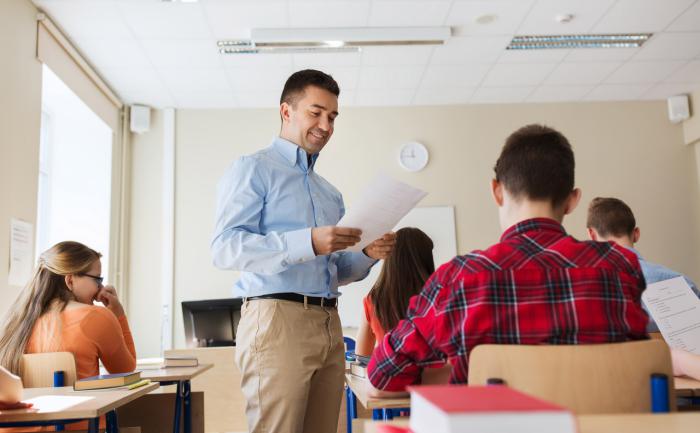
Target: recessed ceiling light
486	19
539	42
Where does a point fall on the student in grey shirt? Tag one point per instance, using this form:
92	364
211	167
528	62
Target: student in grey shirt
610	219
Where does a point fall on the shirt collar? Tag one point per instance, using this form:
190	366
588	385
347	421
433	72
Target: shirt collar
534	224
639	256
293	154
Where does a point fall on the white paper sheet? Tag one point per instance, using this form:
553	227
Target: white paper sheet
676	310
21	260
383	203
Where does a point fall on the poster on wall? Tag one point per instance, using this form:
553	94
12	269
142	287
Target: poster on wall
21	241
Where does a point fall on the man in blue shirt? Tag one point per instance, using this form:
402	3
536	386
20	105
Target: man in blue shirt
276	223
610	219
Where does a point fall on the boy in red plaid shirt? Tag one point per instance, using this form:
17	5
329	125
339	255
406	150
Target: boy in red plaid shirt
538	285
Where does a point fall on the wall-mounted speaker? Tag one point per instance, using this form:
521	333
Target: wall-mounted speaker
678	108
140	118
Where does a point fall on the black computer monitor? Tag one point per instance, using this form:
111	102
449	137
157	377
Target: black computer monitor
211	322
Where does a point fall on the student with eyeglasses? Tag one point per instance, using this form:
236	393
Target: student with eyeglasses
55	313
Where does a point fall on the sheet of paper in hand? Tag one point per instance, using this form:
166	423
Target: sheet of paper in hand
676	310
380	207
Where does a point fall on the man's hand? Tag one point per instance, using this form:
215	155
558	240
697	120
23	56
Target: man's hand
381	248
328	239
108	296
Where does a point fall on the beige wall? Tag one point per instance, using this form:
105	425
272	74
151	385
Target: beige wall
629	150
20	117
691	127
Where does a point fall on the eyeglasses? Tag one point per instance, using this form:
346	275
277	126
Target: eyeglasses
98	280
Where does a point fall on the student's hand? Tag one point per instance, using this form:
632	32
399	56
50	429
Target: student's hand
13	406
108	296
328	239
382	247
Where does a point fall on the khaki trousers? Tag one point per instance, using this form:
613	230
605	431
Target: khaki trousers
292	364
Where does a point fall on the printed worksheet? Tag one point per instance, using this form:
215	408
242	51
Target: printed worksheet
676	310
381	206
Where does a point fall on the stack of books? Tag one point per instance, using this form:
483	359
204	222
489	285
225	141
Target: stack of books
130	380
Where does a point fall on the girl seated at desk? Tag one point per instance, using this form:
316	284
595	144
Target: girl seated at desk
403	275
55	313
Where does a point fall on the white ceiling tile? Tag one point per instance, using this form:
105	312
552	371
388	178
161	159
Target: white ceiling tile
113	53
455	76
257	61
104	18
617	92
581	73
640	16
559	93
195	80
665	90
390	77
165	20
384	97
690	73
542	18
347	77
266	80
689	21
151	98
203	100
396	55
133	81
643	72
408	13
321	60
601	54
443	95
477	49
234	19
517	74
199	53
329	13
532	56
258	98
670	46
489	95
509	14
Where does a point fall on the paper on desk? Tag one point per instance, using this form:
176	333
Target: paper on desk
21	262
676	310
381	206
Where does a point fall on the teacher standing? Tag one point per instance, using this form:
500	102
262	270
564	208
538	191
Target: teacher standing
275	222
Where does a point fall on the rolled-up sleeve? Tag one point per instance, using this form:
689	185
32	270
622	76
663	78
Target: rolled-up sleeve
237	243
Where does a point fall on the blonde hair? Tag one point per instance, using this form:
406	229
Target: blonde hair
46	292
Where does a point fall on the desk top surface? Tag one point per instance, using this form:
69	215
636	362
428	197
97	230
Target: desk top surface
686	384
174	373
623	423
65	403
361	387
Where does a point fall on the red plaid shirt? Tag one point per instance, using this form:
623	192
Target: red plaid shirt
537	286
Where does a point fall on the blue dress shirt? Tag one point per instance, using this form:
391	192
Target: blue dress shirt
653	273
267	204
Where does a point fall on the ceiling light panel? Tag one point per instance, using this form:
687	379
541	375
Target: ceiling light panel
539	42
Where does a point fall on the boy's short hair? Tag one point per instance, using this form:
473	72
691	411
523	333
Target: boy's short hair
537	163
300	80
610	217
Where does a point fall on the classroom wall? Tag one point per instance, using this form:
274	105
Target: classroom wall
20	119
691	127
626	149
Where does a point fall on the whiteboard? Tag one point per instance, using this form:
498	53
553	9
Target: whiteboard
438	222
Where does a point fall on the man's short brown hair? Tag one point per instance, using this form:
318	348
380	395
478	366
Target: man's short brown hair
300	80
610	217
537	163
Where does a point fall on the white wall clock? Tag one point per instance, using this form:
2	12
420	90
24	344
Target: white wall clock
413	156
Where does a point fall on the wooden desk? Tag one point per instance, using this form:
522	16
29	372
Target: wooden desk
686	387
181	377
88	405
627	423
359	389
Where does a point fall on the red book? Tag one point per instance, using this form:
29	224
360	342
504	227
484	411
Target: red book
484	409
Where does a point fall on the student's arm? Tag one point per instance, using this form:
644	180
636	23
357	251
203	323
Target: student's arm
112	337
365	337
685	363
237	243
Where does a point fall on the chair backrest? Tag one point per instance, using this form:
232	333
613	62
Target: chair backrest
38	368
587	379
